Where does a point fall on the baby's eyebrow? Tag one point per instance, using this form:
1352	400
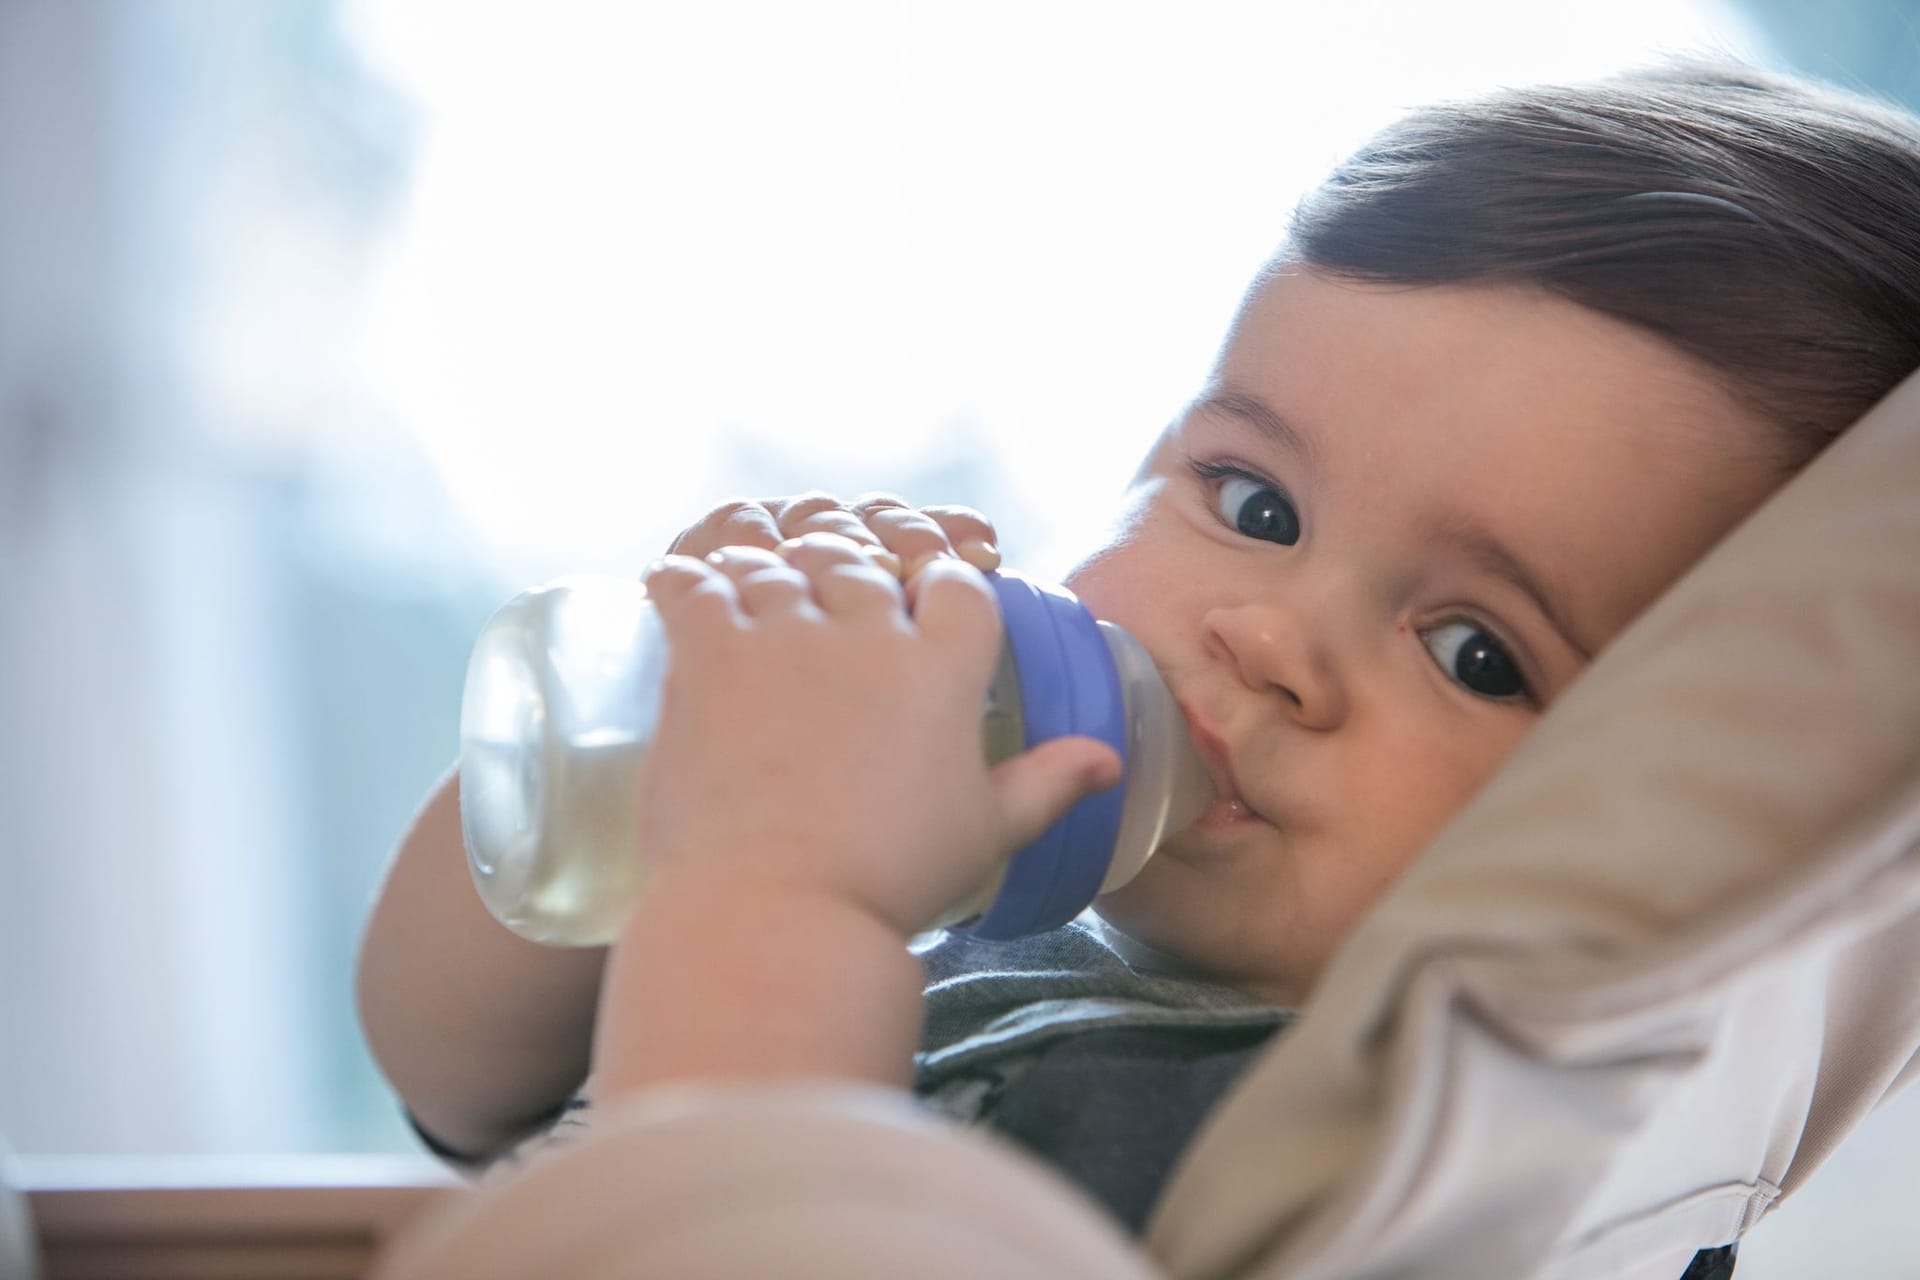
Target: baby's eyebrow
1493	556
1260	416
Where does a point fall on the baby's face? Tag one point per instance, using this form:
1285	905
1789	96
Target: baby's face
1395	525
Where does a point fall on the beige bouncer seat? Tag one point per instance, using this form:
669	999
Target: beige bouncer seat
1632	996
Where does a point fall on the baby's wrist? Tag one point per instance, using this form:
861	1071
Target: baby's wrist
718	894
722	975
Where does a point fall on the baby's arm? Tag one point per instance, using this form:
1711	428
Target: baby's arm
481	1033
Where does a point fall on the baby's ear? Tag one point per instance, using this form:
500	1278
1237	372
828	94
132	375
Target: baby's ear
1645	982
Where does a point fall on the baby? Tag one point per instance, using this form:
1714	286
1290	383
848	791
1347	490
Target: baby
1518	364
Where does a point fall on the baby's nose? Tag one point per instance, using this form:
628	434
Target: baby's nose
1274	651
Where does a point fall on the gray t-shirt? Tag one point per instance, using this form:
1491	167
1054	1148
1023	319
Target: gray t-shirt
1085	1049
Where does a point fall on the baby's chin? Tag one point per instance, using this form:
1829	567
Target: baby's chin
1165	915
1170	925
1140	953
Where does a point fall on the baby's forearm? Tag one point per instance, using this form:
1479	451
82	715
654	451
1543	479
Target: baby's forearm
715	978
479	1031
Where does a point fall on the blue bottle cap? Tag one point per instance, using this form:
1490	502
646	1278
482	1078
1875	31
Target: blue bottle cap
1068	685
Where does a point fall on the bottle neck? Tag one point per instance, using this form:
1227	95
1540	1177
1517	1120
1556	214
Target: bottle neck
1167	784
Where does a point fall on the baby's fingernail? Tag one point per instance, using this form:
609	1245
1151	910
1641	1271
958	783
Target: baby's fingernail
885	559
980	553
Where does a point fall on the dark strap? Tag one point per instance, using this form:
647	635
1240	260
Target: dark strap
1712	1264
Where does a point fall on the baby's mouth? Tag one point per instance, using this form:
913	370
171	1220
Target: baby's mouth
1228	809
1225	815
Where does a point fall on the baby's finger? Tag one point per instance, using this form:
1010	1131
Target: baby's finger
768	586
912	536
692	595
873	498
952	604
867	548
843	575
972	534
1036	787
738	523
822	513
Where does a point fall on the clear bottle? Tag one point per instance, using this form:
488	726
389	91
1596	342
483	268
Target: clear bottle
563	696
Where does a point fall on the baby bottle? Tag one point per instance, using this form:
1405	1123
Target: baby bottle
562	698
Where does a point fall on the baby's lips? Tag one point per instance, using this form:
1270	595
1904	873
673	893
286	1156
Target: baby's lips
1212	750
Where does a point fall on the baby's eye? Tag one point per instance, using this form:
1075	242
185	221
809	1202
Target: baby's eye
1259	510
1474	658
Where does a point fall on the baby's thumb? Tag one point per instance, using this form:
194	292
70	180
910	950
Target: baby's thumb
1037	786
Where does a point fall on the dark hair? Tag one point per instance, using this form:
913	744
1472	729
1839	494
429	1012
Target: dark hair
1767	226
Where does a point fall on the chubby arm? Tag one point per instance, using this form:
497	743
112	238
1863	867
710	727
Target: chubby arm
479	1031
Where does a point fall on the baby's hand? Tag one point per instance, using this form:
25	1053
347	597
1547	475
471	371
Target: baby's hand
820	734
898	537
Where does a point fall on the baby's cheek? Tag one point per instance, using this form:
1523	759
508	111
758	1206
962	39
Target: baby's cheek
1415	796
